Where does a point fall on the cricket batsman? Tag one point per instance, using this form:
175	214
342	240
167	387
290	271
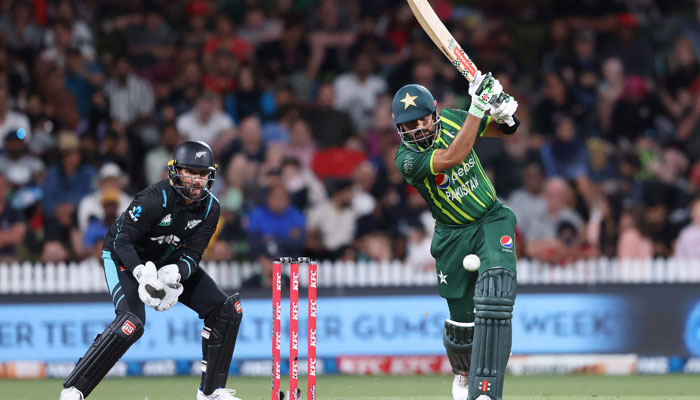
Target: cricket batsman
436	156
151	258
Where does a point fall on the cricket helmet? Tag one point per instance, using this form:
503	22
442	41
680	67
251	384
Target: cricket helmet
192	155
410	103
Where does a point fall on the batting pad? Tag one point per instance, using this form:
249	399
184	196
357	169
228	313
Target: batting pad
218	341
108	347
457	338
494	297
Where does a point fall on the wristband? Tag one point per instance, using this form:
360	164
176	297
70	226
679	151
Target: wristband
509	130
476	110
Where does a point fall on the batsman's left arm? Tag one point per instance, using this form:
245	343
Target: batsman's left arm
191	255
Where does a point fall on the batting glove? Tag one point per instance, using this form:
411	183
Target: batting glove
484	89
151	290
503	111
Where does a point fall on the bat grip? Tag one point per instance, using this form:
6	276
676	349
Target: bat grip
496	102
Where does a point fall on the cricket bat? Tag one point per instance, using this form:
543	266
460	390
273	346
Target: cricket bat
444	40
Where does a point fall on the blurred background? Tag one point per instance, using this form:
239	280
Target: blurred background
294	96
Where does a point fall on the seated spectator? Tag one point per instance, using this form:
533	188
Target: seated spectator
66	183
542	235
331	224
633	243
12	224
109	178
688	243
249	98
330	127
357	91
304	188
206	122
97	228
226	38
20	167
131	98
528	202
567	155
9	119
157	159
277	220
266	255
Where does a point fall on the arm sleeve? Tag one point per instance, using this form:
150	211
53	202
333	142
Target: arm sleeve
137	220
195	246
415	166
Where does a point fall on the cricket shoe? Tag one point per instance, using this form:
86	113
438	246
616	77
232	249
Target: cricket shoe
460	388
71	394
218	394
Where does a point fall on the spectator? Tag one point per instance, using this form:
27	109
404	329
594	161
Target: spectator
81	36
542	236
301	144
18	29
64	186
98	226
130	98
157	159
633	243
265	257
18	166
356	92
257	28
206	122
226	38
220	77
330	127
689	238
150	43
249	98
304	188
567	155
249	142
609	91
55	52
331	224
528	202
277	221
12	224
82	77
109	178
9	119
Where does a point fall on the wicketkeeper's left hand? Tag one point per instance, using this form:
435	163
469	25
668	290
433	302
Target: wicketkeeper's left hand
169	275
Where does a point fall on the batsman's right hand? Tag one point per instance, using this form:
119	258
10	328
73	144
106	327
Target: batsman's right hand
151	290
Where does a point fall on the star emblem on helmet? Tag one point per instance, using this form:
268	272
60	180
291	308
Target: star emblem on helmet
408	101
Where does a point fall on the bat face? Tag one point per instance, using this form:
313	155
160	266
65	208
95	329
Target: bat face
442	38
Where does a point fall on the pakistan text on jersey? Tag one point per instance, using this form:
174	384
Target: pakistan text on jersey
463	189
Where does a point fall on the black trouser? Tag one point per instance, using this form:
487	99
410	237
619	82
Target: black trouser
201	293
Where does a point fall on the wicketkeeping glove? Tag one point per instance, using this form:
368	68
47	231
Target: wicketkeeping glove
151	290
484	89
169	275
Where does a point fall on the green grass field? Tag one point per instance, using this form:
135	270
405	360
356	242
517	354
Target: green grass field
663	387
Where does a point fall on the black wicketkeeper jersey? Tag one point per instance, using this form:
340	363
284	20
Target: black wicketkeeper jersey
158	226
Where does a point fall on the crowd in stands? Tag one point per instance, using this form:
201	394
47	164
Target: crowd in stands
294	97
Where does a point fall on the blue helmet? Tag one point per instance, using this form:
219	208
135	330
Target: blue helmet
410	103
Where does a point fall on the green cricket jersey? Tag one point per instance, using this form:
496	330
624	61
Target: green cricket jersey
455	196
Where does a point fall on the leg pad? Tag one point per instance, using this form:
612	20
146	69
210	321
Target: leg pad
218	341
108	347
494	297
457	338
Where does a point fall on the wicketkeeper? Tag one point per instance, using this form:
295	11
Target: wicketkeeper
436	156
151	258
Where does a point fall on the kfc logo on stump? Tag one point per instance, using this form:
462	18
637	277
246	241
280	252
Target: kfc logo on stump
128	328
